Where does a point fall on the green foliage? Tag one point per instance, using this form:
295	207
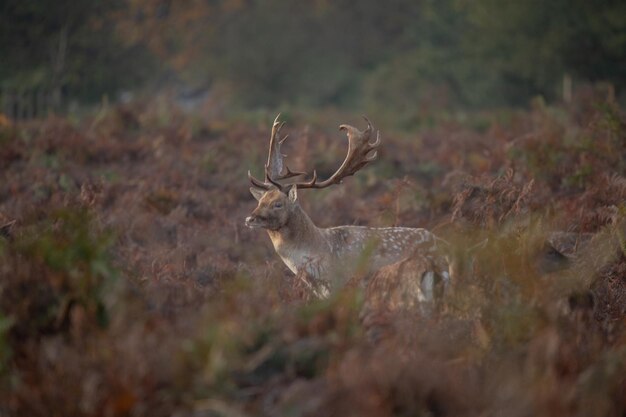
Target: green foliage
512	324
530	45
68	47
5	348
404	60
75	263
234	353
408	59
68	244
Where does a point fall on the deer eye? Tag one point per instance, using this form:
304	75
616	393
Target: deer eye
278	204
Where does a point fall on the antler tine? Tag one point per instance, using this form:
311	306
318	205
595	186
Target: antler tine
275	165
359	155
257	183
271	180
275	162
308	184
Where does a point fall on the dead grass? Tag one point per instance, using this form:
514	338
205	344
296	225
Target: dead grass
129	286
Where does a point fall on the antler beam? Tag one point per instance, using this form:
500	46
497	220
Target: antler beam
360	153
275	164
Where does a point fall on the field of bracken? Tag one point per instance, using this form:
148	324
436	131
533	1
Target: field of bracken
129	285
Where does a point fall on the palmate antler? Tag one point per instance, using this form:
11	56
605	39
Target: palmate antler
359	155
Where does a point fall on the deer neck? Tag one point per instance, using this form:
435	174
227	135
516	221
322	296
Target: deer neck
299	232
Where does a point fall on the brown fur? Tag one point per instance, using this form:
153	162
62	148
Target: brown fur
333	255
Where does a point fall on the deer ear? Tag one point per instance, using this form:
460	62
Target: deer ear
257	193
293	193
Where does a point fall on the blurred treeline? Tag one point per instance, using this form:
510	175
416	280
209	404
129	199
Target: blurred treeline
397	56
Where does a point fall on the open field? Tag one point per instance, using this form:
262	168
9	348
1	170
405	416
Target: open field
130	286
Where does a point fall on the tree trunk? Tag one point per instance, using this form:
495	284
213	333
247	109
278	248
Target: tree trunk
58	68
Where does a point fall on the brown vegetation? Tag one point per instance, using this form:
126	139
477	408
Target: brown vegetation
130	286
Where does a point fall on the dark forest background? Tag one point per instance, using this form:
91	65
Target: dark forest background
401	58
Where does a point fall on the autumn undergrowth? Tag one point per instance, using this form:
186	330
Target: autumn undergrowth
129	285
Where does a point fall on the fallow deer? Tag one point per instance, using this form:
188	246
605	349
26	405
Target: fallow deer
325	255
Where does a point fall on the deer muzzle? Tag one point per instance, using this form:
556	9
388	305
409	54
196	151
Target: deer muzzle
254	221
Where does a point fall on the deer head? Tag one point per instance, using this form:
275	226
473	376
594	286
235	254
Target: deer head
274	208
277	200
